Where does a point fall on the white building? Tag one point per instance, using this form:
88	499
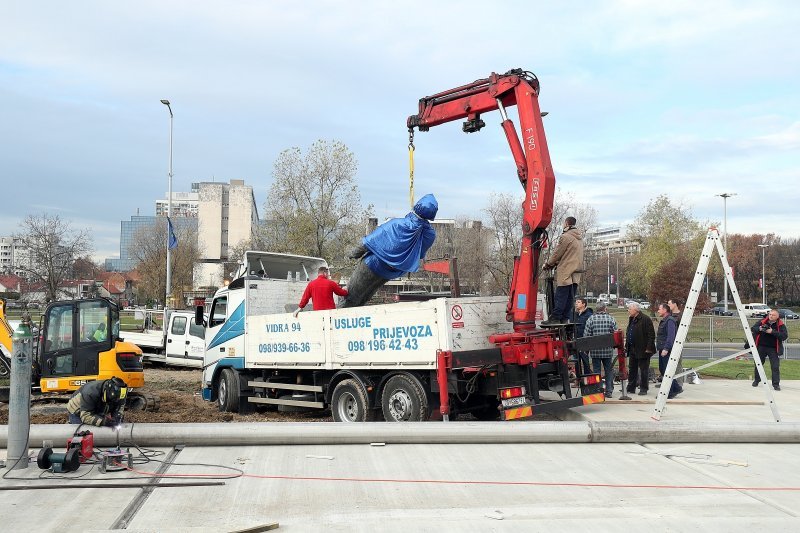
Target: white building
13	256
184	204
610	240
227	216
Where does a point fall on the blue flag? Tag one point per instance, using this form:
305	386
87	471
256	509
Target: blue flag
172	240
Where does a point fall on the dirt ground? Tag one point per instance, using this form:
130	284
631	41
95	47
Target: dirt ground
179	391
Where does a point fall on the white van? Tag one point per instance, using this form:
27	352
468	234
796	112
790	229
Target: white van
756	310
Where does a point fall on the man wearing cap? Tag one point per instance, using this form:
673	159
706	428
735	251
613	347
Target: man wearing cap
320	292
601	323
393	249
98	403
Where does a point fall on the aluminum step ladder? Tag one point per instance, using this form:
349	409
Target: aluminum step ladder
712	241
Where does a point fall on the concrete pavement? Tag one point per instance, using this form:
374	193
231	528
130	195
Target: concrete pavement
458	487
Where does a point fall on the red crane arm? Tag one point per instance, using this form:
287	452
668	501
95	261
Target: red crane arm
535	172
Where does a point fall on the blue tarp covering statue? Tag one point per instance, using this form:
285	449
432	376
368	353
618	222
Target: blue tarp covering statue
390	251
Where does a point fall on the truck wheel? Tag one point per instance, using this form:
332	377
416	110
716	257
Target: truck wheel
349	403
228	391
403	400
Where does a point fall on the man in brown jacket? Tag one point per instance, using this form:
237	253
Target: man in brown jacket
640	345
567	259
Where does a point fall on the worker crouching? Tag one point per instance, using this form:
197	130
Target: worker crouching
98	403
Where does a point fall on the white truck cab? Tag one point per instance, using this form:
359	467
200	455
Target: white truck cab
180	343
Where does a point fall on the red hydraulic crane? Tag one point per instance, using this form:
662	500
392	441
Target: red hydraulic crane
534	358
535	172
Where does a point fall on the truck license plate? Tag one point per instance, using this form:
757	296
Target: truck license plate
513	402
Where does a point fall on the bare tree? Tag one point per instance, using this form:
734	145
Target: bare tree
85	268
149	250
314	205
565	205
50	245
505	219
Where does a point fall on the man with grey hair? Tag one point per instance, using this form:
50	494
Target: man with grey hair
640	346
601	323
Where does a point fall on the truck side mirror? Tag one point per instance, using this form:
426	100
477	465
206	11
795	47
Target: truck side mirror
198	316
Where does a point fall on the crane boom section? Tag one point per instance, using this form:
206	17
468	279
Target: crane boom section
531	156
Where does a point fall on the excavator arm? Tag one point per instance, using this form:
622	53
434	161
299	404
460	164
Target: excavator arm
535	172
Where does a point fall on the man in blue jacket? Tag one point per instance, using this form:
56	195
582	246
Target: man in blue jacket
394	248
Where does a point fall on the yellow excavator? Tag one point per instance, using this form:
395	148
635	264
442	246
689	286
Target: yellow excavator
79	342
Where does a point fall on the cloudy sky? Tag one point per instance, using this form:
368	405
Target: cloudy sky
690	99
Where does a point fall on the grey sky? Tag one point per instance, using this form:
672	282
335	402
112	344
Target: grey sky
686	98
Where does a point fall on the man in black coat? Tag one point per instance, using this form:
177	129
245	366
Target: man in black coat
581	315
640	345
769	335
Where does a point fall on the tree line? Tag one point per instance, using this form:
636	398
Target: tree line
314	208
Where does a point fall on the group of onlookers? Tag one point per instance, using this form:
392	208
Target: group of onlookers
643	340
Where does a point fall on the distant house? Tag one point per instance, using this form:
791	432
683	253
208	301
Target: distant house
119	286
11	283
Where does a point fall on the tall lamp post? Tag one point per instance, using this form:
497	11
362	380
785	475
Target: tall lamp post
608	272
725	197
763	279
169	209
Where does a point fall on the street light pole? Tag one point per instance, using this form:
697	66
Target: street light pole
608	273
763	279
169	209
725	197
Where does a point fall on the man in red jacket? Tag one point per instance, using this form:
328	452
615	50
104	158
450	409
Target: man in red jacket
320	291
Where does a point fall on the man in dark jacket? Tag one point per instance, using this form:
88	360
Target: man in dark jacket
581	315
769	335
640	345
665	338
98	403
393	249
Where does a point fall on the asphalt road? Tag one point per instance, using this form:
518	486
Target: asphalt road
697	352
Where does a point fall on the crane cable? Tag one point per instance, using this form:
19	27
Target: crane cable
411	166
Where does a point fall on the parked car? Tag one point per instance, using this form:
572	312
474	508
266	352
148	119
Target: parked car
753	310
720	310
788	314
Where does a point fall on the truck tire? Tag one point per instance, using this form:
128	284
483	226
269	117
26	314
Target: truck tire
403	400
349	403
228	391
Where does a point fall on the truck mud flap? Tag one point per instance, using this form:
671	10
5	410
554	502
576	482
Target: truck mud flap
528	410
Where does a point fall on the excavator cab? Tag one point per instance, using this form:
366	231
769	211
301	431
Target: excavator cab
79	342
